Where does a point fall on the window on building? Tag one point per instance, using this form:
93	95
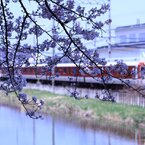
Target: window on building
132	37
122	38
142	37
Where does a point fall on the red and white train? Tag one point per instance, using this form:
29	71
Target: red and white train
69	72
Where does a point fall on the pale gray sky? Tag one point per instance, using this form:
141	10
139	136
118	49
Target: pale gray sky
123	12
126	12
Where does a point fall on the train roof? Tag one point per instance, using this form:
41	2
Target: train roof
129	63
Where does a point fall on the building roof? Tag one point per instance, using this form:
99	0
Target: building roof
126	44
131	26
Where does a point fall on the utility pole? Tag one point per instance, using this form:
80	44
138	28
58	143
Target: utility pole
53	131
53	69
109	43
53	72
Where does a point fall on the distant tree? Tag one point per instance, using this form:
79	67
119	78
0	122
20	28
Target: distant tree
30	27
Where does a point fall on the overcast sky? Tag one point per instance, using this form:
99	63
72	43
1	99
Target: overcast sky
126	12
123	12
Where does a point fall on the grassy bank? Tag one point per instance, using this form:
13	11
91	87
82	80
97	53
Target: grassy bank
87	110
90	109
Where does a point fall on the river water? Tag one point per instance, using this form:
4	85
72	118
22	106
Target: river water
18	129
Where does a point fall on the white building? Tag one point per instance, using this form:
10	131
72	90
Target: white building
129	44
129	34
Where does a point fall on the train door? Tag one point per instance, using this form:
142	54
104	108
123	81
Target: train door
142	70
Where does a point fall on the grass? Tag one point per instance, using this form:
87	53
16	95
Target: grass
98	108
40	94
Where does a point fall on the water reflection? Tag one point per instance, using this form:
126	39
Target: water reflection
53	131
18	129
34	136
140	137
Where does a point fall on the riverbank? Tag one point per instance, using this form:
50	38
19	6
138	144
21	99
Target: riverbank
88	112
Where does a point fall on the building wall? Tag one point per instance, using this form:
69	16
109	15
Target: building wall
122	54
130	44
135	33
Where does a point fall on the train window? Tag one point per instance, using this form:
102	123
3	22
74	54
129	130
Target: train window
64	70
26	70
68	70
74	71
143	72
49	70
56	70
30	70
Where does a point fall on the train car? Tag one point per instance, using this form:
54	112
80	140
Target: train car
69	72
